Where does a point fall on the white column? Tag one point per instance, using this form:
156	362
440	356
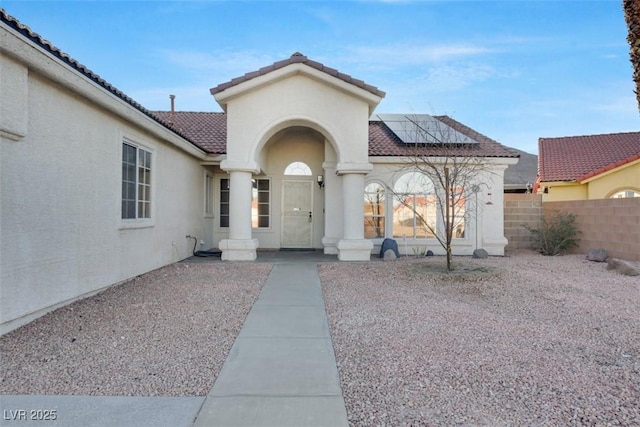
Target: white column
239	205
353	206
239	246
353	246
333	209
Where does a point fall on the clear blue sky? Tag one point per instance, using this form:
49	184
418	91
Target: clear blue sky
513	70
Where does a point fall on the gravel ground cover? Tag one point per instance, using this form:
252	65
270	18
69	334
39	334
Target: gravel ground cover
165	333
524	340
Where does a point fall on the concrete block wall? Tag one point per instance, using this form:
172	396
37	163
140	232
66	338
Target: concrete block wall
612	224
521	209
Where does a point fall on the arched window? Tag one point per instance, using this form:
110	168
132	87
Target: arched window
625	193
297	168
415	212
374	211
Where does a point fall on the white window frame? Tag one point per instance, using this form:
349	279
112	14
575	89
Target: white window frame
372	216
138	221
270	216
209	194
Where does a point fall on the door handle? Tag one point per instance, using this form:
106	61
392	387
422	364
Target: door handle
310	216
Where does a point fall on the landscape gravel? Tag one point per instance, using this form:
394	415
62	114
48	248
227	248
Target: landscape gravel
165	333
523	340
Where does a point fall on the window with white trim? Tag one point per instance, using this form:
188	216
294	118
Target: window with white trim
374	211
208	195
414	206
136	182
224	202
260	203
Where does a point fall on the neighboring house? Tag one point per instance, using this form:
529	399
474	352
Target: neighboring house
589	167
521	177
95	189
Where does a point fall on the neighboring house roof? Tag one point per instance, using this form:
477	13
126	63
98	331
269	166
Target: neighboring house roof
297	58
576	158
517	176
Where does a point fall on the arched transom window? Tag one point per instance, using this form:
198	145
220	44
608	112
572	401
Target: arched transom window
297	168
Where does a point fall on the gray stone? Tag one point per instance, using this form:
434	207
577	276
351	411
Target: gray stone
389	255
597	255
623	267
389	244
480	253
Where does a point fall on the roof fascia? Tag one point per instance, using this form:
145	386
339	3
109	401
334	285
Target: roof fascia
38	59
608	170
504	161
213	159
223	97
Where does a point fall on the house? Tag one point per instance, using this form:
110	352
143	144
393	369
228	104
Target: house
589	167
519	178
96	189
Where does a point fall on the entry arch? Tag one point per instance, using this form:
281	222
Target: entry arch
271	130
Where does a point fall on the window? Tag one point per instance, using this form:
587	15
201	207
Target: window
297	168
374	211
208	195
136	182
260	203
625	193
414	207
224	202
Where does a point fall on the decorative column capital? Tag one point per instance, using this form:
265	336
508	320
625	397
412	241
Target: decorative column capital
353	168
240	166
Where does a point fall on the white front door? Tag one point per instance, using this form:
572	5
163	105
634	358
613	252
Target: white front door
297	214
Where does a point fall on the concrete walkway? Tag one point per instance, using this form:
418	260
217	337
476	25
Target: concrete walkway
281	370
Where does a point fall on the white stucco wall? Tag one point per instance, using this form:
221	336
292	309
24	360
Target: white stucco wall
61	232
298	100
489	232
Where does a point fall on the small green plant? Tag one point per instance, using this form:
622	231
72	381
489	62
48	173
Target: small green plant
557	233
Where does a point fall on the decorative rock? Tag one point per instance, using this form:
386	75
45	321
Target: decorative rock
622	267
430	252
597	255
389	255
389	244
480	253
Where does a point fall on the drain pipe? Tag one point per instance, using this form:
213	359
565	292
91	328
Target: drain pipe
202	253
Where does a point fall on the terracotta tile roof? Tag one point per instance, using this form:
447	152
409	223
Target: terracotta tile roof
27	33
207	130
297	58
576	158
383	142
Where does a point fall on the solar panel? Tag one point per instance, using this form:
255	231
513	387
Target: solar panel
423	129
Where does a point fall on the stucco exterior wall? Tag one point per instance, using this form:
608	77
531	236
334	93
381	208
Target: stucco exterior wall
341	118
484	225
558	191
62	236
600	186
623	178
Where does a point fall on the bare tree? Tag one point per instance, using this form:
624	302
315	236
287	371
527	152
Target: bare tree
632	17
447	169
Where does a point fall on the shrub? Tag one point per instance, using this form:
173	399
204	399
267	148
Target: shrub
557	233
